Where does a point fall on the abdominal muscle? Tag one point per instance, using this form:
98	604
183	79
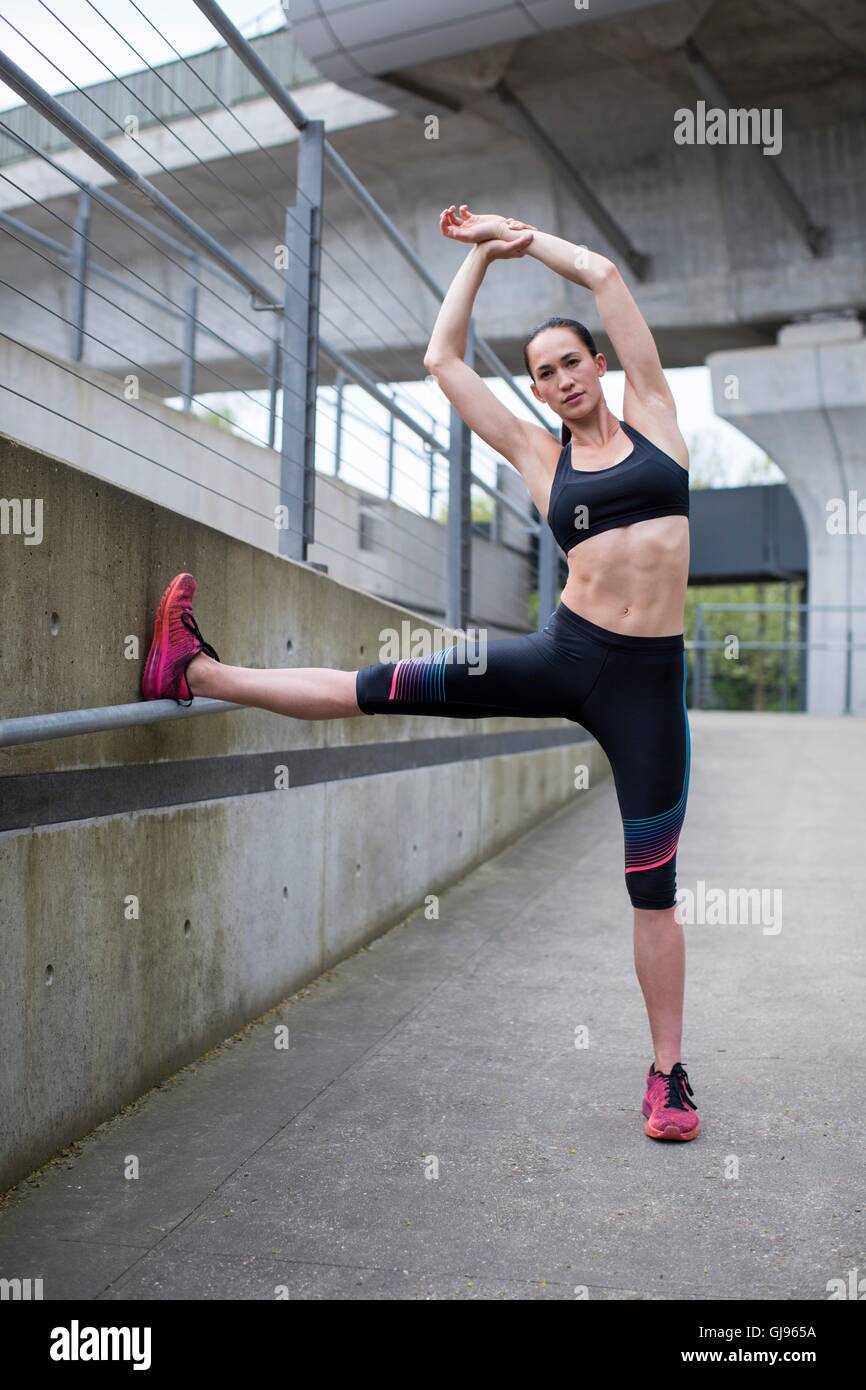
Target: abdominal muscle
632	579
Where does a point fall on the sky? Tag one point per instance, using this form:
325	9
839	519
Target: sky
722	456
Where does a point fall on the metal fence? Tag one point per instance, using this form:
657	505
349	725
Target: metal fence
773	674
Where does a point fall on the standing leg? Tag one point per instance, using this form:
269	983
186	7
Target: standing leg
638	713
660	964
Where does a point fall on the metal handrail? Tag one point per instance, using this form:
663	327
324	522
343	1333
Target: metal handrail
789	607
716	644
35	728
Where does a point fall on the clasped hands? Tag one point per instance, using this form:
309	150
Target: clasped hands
502	237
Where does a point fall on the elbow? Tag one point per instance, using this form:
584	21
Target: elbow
434	363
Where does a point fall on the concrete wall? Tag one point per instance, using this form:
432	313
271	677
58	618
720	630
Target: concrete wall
158	891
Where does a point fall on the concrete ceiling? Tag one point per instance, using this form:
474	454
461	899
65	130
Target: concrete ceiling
358	42
614	65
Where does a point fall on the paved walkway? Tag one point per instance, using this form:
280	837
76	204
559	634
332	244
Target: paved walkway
433	1132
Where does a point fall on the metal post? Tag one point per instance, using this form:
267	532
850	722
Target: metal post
460	510
548	572
496	519
273	387
786	658
391	424
188	365
301	348
805	654
79	273
431	482
698	681
849	659
431	477
339	386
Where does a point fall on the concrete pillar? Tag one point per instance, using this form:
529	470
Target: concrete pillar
804	402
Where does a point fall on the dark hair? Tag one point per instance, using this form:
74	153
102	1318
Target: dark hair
556	322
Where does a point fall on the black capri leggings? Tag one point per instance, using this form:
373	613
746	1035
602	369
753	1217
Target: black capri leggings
628	692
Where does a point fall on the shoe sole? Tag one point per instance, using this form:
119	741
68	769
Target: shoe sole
152	666
670	1131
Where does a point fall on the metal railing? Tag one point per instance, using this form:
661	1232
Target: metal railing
291	364
287	297
35	728
786	676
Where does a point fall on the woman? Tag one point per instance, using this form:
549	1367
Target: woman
611	656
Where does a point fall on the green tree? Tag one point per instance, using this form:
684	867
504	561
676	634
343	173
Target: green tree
738	677
481	509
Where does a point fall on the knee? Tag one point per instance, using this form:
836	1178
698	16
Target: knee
652	889
373	687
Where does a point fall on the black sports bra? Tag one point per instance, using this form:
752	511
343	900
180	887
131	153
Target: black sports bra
646	483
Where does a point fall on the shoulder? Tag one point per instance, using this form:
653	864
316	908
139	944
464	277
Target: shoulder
537	461
540	451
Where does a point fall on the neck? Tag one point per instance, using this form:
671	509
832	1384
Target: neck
595	430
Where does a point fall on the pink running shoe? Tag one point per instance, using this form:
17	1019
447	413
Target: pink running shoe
670	1114
176	640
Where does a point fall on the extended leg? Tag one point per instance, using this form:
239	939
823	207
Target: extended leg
306	692
494	677
502	676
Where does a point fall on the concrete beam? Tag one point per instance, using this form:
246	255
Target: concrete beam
815	238
587	199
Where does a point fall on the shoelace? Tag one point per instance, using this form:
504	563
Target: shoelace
677	1099
192	625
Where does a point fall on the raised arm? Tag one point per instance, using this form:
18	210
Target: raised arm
648	403
524	444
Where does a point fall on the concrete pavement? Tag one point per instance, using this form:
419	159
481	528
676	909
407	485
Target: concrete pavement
432	1131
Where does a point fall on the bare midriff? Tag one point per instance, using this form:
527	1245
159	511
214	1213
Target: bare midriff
632	579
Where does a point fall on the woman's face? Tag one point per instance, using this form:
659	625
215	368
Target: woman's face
566	376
